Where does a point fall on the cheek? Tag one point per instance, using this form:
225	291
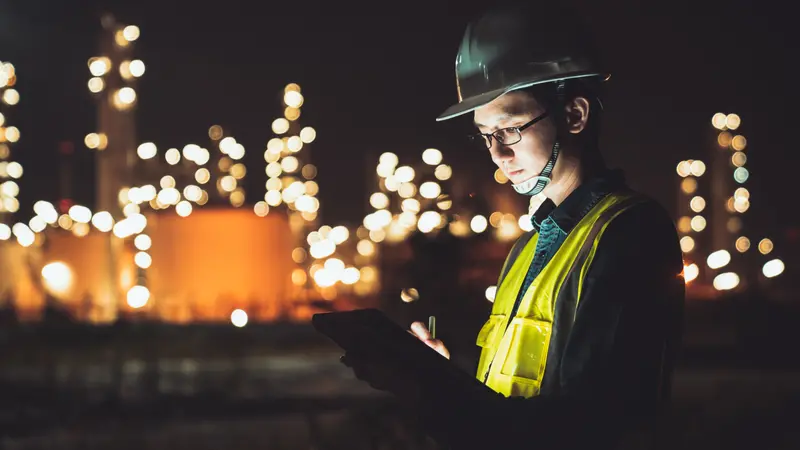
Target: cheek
533	152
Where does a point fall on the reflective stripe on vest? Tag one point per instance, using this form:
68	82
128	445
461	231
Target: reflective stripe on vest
515	350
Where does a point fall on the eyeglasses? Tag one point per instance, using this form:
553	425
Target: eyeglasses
505	136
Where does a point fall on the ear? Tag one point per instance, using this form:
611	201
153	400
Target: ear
577	114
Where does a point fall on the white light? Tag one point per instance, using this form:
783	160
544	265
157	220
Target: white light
80	214
322	248
293	99
147	150
142	242
491	292
339	234
306	203
9	189
129	226
25	237
239	318
404	174
719	121
410	205
697	204
131	208
687	244
96	84
294	144
46	211
136	68
773	268
428	221
169	196
697	168
432	156
384	170
138	296
225	145
308	134
525	223
280	126
126	95
388	159
478	224
351	275
57	278
103	221
289	164
11	96
335	268
378	219
718	259
147	193
726	281
236	152
131	33
183	208
391	183
173	156
365	247
143	260
99	67
741	175
324	278
430	189
14	169
379	200
5	232
690	272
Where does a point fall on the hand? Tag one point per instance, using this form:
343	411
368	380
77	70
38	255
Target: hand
419	330
384	376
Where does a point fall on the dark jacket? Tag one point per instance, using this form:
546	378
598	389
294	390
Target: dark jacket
612	367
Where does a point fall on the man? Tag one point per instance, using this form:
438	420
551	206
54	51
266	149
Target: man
582	335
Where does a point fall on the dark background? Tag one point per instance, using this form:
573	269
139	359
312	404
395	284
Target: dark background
375	75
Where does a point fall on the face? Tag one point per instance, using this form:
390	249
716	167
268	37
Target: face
525	159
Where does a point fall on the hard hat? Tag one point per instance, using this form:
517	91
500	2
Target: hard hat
515	47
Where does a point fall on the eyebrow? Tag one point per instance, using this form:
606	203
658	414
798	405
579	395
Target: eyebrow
505	115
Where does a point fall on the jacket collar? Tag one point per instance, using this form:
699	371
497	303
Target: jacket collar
580	201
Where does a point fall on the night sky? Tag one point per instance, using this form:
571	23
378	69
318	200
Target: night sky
376	74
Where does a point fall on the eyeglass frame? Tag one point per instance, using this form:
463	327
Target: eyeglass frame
487	137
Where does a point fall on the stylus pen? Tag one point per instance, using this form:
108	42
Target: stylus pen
432	326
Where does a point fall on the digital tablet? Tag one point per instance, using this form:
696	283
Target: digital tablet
370	333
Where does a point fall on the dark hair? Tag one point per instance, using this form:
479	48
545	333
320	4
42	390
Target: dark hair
589	88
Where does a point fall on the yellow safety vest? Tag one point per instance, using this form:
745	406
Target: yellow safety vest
514	349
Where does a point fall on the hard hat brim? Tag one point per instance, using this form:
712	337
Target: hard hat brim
472	103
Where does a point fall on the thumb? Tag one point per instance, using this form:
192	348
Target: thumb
421	331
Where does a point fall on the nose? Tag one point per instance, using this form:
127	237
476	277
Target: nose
500	153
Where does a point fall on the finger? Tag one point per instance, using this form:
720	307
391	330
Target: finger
421	331
434	343
437	345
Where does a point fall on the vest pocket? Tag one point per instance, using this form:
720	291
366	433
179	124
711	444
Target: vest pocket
489	330
527	352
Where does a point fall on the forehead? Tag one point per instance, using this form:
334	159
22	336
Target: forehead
512	105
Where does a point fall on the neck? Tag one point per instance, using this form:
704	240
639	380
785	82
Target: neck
572	173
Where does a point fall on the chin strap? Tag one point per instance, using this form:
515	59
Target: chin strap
537	184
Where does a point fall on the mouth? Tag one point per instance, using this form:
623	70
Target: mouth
515	173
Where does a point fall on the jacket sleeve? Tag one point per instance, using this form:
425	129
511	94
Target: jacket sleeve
628	317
